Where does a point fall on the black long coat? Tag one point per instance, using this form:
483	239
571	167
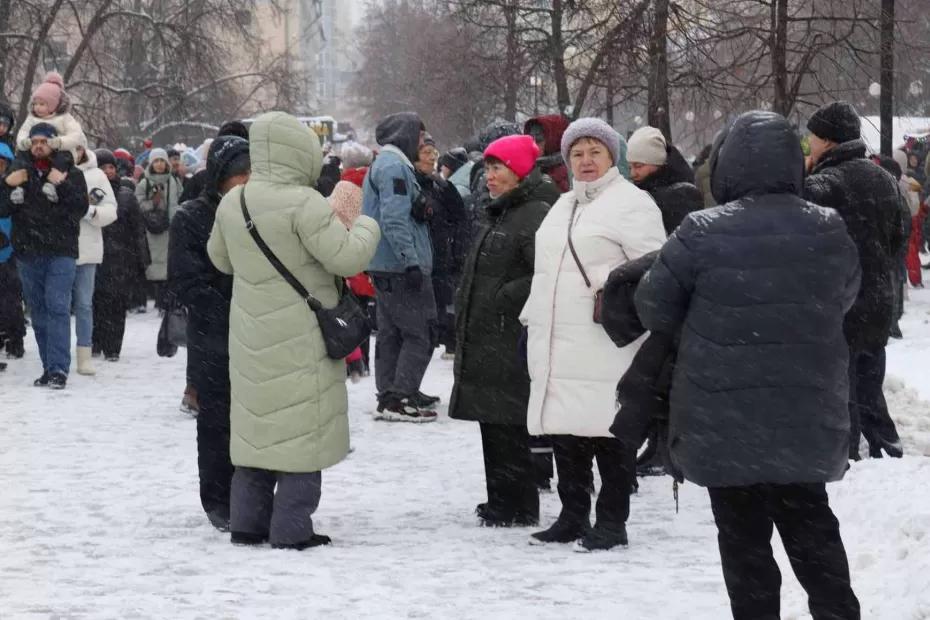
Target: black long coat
491	383
125	246
674	191
866	197
758	288
203	290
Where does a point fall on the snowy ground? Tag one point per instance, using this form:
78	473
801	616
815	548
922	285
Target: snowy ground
100	518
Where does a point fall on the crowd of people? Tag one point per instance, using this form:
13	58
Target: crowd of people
591	296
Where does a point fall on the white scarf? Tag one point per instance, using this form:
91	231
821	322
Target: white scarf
587	191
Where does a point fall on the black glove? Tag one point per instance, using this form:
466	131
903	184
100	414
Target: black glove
414	278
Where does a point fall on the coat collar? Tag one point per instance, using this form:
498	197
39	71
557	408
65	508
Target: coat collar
846	151
589	191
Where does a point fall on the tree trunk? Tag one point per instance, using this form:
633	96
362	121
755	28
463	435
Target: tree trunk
779	45
512	79
5	9
886	104
33	64
557	50
658	78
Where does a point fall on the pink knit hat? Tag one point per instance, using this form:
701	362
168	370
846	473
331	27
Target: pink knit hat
50	91
346	201
518	153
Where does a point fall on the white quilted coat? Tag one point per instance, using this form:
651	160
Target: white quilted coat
574	366
90	243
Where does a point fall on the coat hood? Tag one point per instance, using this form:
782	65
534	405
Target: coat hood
403	131
675	170
760	153
553	126
283	151
6	112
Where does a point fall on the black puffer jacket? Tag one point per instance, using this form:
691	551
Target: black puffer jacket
866	197
125	246
758	288
41	227
198	286
448	226
491	384
673	189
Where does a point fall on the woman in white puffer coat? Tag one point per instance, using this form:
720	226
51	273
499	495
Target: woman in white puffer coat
100	213
574	366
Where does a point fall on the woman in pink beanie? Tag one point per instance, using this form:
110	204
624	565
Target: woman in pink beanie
491	383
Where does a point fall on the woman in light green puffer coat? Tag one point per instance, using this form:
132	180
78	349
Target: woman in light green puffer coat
289	402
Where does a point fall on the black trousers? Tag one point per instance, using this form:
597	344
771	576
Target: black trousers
868	411
215	468
573	457
508	471
109	321
811	535
541	453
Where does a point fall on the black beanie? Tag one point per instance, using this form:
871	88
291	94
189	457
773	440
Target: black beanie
454	159
105	157
234	128
228	156
837	122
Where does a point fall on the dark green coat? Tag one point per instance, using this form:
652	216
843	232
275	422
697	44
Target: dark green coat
491	382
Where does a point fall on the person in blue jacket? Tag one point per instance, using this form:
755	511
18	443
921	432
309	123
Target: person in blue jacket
12	321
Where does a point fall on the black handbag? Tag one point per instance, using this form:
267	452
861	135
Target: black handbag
173	331
344	327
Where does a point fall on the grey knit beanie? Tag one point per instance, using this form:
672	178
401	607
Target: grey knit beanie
591	128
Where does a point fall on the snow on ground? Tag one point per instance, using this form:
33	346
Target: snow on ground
100	517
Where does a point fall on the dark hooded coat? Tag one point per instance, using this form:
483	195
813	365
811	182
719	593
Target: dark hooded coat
758	288
674	191
200	287
866	197
491	384
125	246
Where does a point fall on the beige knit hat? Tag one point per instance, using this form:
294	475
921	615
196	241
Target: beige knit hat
647	146
346	201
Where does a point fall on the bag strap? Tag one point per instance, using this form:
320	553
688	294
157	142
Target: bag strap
312	301
571	246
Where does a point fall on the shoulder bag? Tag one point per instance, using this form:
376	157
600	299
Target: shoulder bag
344	327
598	295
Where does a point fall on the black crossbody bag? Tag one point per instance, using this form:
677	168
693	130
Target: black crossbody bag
344	327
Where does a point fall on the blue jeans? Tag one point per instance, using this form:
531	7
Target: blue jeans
47	283
83	294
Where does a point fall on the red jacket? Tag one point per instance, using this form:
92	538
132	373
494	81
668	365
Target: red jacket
551	162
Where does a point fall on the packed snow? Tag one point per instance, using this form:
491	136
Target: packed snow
100	516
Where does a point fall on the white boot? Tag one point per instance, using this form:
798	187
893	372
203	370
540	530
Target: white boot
84	365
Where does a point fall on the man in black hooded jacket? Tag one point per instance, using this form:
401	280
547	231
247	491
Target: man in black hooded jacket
206	294
758	289
867	199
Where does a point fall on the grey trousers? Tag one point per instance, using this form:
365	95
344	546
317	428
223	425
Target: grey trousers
283	516
406	334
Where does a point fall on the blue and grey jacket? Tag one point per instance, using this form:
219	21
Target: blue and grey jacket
389	192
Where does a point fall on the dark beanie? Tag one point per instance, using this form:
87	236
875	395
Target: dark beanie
234	128
228	156
837	122
454	159
105	157
45	130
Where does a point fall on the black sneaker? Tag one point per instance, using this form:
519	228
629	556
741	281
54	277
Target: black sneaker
112	358
423	401
602	539
15	349
317	540
562	531
219	519
247	539
57	380
394	409
42	381
2	366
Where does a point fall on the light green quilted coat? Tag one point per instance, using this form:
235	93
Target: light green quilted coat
289	402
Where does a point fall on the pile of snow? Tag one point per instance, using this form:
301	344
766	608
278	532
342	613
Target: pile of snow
911	415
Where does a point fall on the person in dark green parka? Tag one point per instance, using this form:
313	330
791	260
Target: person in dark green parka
492	385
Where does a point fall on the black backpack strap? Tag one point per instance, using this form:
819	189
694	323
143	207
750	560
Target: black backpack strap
312	301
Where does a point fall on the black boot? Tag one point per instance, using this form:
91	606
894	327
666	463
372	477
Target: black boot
562	531
602	538
247	538
316	540
15	348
